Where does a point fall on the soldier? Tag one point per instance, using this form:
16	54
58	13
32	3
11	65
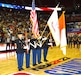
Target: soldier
33	46
27	47
45	47
20	51
39	48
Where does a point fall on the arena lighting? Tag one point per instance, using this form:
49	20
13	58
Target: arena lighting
11	6
28	8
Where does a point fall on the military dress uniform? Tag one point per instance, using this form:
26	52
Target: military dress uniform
27	53
45	47
33	46
39	48
20	53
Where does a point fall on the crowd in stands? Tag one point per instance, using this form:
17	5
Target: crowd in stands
74	40
12	21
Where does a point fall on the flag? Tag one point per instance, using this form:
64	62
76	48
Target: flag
63	41
54	27
33	18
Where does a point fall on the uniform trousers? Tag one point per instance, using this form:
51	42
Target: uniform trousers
27	60
45	52
20	57
39	55
36	54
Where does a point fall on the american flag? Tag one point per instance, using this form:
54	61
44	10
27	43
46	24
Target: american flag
33	18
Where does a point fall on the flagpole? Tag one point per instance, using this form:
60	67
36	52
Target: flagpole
44	30
57	5
46	24
46	37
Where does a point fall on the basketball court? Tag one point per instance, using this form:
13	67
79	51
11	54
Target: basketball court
58	64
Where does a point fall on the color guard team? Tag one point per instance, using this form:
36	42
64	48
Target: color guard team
34	44
25	45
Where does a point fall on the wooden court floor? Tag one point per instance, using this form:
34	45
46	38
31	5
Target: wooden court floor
8	63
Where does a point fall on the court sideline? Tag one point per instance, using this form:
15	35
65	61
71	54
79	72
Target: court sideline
8	62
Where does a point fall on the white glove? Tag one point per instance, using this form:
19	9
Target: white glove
50	44
40	37
44	38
